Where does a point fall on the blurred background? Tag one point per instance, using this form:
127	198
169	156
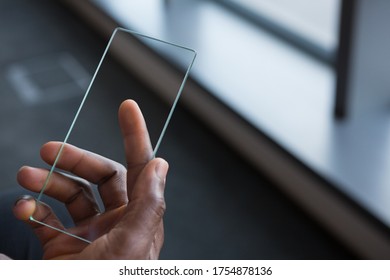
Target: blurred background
278	148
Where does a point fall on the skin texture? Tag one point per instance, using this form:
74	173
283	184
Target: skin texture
131	226
4	257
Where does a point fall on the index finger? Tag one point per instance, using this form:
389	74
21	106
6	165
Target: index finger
107	174
138	148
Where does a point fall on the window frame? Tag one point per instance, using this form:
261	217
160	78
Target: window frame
293	38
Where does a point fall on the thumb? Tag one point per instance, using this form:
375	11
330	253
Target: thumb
135	234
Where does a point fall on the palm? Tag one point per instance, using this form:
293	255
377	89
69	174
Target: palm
91	229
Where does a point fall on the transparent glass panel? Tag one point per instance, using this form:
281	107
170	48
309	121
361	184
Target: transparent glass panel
95	126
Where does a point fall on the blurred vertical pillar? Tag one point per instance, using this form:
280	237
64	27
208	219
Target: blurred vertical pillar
363	62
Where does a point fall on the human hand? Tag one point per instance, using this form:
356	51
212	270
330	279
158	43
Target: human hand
4	257
131	226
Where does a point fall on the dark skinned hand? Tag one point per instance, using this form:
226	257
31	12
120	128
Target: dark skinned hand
131	226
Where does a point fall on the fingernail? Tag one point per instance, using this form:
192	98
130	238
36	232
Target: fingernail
162	170
23	197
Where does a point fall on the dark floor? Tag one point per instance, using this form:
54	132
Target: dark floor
218	206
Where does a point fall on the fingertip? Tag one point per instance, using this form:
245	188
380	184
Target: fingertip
127	105
30	178
21	171
22	174
49	150
24	207
47	145
161	168
129	102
